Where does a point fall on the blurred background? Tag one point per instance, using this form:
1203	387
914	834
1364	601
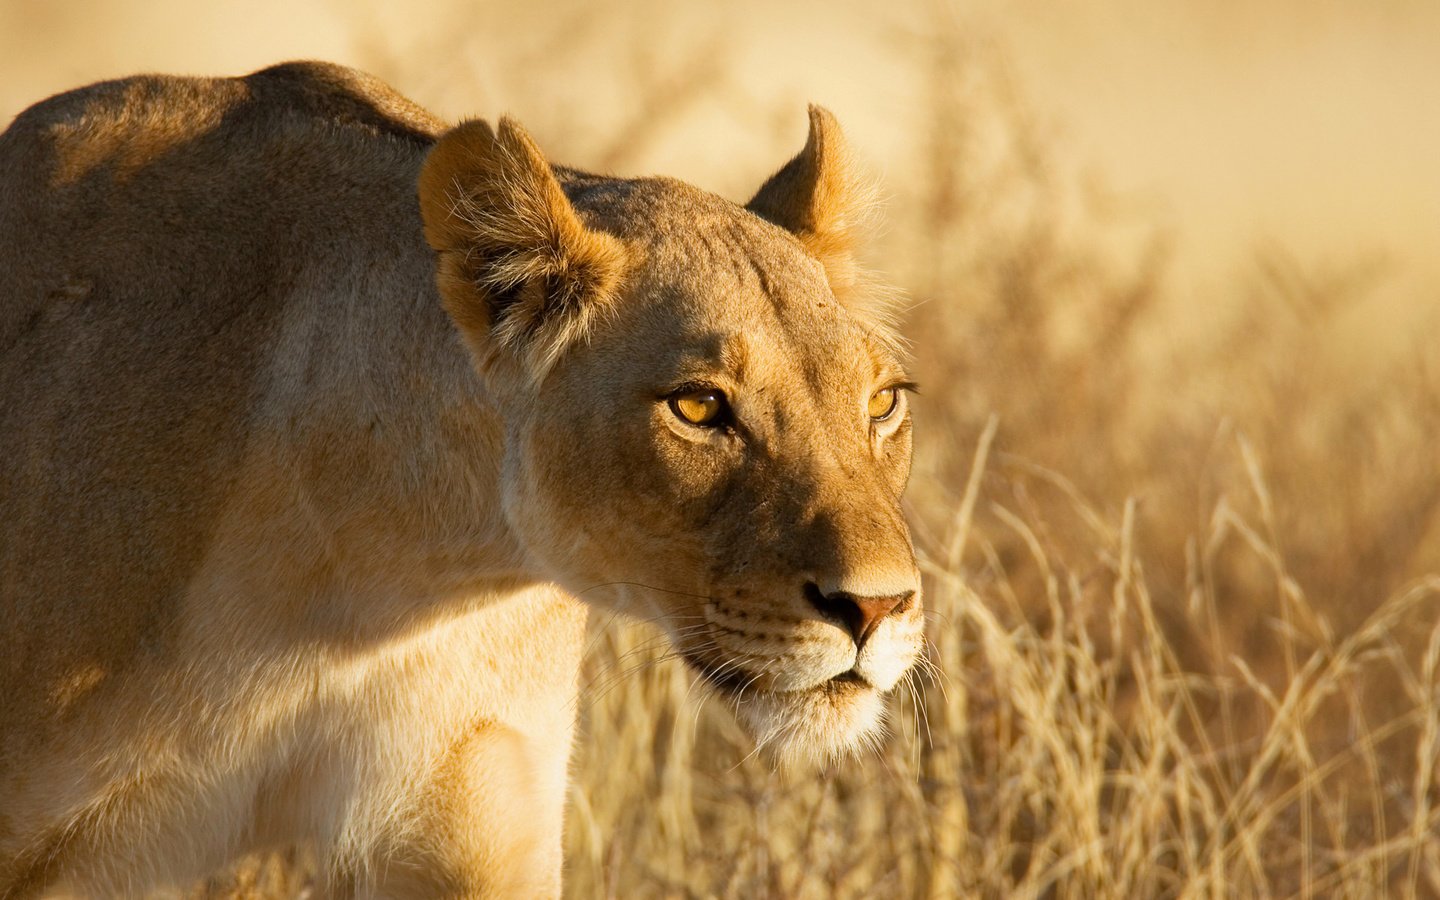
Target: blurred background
1173	274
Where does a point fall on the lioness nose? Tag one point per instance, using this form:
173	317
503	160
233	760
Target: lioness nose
860	615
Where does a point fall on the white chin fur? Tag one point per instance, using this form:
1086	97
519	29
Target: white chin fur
814	726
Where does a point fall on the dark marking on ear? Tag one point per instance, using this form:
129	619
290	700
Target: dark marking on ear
502	297
558	296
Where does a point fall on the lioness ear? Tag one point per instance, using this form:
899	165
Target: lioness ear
518	270
820	198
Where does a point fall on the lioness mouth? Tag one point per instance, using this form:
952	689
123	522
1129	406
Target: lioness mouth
826	721
732	680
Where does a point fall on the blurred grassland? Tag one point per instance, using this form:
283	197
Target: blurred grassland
1177	492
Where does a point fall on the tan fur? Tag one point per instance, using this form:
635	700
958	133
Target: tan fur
292	541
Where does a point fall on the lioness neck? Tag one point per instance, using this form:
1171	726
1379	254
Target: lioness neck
374	428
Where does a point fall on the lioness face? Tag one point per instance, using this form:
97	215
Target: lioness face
723	453
725	456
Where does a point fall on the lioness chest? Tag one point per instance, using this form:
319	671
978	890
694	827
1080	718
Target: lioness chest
382	726
340	750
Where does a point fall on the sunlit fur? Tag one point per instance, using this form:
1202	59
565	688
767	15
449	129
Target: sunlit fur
308	483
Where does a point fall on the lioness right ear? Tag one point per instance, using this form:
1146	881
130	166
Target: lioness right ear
820	197
518	271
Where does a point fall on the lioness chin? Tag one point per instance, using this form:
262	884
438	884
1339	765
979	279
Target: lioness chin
317	416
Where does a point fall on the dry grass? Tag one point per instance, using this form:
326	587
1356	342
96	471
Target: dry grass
1181	577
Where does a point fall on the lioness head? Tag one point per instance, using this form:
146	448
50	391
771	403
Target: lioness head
705	415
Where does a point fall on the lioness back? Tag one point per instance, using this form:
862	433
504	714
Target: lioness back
119	450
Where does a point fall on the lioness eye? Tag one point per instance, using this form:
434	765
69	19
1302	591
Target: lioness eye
700	407
882	404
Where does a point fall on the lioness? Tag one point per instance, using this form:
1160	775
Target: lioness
316	420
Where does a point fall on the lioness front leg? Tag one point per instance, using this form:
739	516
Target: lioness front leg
486	822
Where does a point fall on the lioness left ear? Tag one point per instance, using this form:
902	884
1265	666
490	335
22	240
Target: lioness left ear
518	271
820	198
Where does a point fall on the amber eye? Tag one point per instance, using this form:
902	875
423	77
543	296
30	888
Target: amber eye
706	408
882	404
